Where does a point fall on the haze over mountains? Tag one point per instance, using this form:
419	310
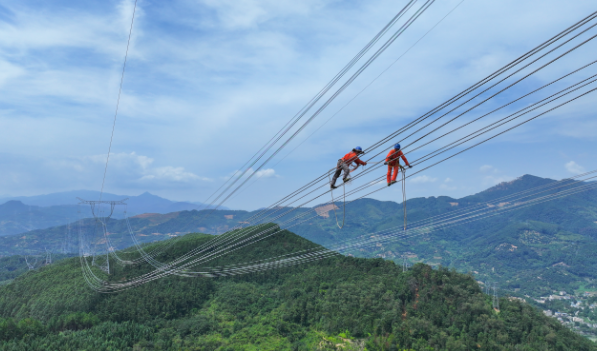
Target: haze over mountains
24	213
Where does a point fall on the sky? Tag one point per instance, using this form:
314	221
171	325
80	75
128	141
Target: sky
208	82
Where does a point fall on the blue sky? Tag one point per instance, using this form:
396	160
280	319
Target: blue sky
208	82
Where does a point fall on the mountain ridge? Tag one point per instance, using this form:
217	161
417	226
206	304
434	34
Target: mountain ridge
562	230
22	214
71	198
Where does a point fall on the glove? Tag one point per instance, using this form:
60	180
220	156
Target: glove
409	166
364	163
385	163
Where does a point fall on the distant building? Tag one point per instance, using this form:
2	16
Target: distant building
513	298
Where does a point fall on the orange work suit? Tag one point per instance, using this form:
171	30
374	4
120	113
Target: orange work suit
351	157
344	163
393	160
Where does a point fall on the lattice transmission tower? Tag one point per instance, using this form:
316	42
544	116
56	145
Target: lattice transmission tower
99	216
496	300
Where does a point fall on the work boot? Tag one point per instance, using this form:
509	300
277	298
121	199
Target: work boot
392	182
333	186
345	179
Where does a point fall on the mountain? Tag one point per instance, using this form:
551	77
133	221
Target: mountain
143	203
16	217
148	227
537	250
14	266
25	213
337	303
62	198
500	190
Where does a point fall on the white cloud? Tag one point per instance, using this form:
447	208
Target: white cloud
574	167
240	14
423	179
169	173
35	30
266	173
486	169
447	187
122	159
494	180
126	173
9	71
209	81
139	167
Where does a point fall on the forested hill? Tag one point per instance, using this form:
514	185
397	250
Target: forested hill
339	303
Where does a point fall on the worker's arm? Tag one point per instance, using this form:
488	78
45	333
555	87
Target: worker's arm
404	159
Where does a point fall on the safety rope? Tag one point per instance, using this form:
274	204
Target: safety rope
404	193
334	203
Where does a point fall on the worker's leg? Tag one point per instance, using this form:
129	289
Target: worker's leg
396	169
390	167
346	170
337	173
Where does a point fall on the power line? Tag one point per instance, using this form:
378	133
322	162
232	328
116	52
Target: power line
128	43
521	59
225	244
388	42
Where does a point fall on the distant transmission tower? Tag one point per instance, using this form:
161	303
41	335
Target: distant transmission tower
67	245
94	203
68	238
404	263
496	301
30	225
99	217
48	257
31	266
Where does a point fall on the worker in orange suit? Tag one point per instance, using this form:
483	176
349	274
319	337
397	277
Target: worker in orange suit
393	162
344	165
